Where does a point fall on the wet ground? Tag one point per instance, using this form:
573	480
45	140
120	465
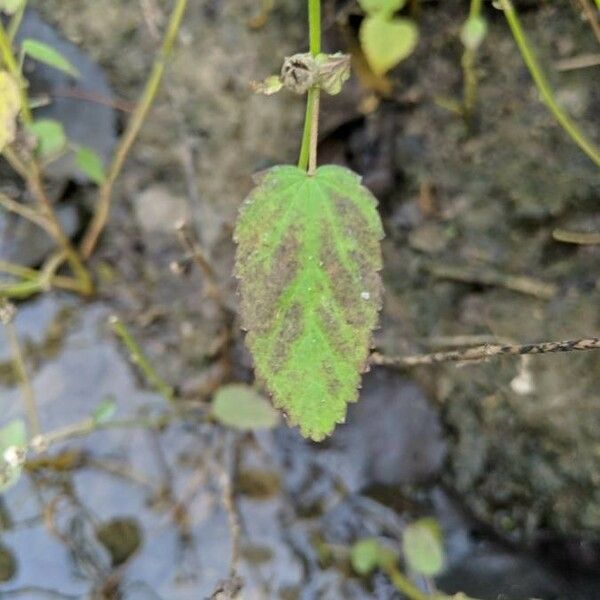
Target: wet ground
143	510
505	455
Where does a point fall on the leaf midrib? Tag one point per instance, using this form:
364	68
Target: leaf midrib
311	271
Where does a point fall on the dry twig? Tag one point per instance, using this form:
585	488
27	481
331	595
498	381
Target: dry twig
591	14
480	353
486	276
7	313
576	237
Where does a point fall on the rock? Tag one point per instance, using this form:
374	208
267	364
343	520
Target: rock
391	437
24	243
158	210
430	238
34	322
393	431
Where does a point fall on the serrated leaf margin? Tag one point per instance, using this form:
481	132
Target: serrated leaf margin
265	178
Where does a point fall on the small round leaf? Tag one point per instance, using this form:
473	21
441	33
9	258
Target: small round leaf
364	556
386	43
50	136
473	32
241	407
423	548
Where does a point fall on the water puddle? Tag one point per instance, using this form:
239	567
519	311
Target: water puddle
139	515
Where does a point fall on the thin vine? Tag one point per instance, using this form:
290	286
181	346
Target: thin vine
543	86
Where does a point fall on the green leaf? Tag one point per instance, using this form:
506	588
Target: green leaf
364	556
308	259
91	164
10	104
473	32
50	135
241	407
48	55
104	411
10	7
368	554
13	442
423	547
387	42
387	7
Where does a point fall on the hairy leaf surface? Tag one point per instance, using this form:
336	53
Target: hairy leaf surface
308	259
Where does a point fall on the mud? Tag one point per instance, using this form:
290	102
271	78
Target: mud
505	455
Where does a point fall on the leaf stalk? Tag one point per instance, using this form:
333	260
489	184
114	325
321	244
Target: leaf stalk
308	150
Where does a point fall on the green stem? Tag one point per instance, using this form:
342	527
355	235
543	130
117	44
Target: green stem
305	149
32	174
92	234
475	9
20	290
35	183
543	86
137	357
20	368
35	279
26	212
470	84
404	585
84	428
15	22
45	217
314	131
314	27
9	60
470	77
